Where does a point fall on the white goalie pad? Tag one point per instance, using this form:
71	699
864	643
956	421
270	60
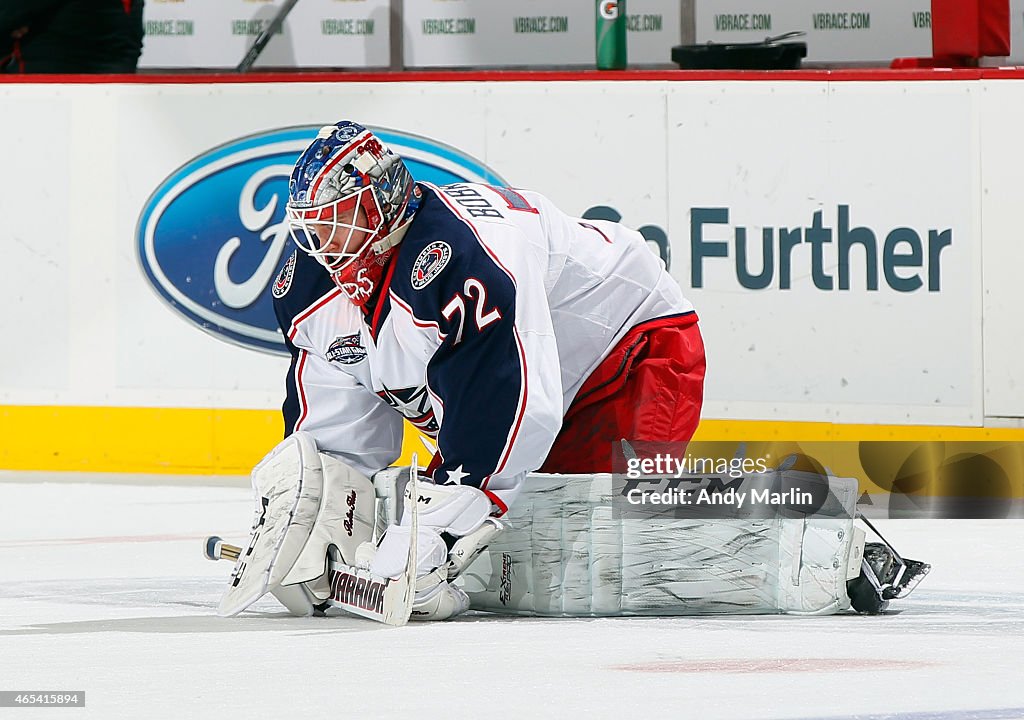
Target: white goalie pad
345	519
564	552
305	502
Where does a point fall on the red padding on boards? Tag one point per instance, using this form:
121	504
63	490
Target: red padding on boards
971	28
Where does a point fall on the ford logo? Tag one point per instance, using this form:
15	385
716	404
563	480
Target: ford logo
212	237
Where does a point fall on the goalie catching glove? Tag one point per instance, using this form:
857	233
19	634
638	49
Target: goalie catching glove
306	502
311	542
455	526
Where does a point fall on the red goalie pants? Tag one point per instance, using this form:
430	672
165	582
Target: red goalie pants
650	387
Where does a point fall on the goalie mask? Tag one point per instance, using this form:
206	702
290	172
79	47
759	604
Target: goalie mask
349	200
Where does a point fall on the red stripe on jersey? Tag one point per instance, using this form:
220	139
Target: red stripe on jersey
435	463
382	294
426	324
502	507
524	391
300	389
434	397
596	229
305	314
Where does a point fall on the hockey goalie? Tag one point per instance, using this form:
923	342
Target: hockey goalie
528	344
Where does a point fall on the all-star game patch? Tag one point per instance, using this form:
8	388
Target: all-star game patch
346	350
284	278
430	263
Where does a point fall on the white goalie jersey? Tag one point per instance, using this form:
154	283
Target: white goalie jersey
493	313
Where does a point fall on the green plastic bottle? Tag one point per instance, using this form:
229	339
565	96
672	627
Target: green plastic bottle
611	34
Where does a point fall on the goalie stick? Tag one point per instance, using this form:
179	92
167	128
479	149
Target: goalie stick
264	37
386	600
357	591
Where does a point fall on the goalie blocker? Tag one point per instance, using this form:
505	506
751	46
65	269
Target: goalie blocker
311	544
312	513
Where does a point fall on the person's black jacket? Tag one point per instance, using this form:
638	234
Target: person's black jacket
71	36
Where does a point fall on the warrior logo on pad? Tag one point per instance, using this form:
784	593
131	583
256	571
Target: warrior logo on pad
430	263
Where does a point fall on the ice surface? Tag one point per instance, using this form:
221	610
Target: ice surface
103	588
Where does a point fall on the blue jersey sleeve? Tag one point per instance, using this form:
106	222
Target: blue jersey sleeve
478	375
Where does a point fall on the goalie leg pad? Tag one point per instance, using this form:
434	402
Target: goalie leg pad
565	552
439	602
288	484
296	598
